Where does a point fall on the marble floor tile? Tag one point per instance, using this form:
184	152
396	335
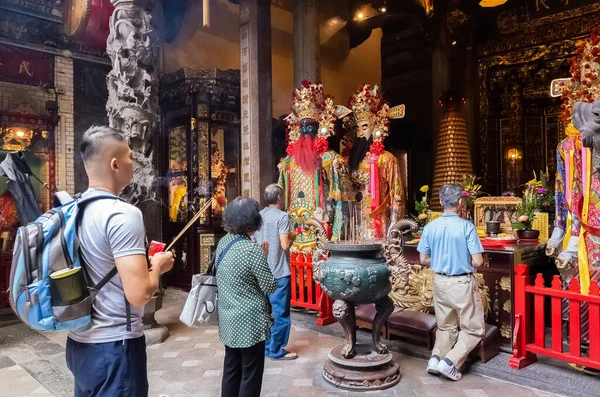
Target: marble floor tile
213	373
273	371
474	393
190	363
430	380
302	382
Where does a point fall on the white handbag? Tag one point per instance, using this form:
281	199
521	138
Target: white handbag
201	304
202	301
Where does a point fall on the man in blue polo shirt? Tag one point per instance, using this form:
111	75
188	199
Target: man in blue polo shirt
451	247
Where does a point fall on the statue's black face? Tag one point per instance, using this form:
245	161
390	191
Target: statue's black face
309	127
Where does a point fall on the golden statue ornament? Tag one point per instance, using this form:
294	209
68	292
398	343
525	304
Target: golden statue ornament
311	174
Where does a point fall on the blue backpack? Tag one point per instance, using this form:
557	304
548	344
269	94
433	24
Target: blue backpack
49	245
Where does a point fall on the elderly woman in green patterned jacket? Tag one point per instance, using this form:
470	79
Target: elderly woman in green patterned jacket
244	280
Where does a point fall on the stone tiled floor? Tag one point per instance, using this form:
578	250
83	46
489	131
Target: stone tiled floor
189	363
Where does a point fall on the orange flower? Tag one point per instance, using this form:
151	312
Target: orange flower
422	216
523	218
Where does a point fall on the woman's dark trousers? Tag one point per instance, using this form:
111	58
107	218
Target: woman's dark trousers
243	371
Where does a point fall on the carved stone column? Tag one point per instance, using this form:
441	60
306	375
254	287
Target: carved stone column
306	42
256	97
132	108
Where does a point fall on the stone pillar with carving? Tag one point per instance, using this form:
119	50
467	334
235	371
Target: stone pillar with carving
256	97
306	42
132	108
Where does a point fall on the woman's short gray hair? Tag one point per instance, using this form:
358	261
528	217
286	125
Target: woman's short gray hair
449	196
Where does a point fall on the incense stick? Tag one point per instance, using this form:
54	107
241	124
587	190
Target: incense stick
190	223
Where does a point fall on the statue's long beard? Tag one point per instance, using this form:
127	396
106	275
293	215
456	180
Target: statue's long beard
359	149
305	155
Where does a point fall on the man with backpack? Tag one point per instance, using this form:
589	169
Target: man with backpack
108	356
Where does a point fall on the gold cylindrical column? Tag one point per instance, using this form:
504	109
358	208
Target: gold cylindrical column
453	158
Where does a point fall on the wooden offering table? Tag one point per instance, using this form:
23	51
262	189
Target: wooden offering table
498	271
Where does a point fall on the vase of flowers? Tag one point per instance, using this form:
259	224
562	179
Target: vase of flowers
422	208
471	190
526	213
546	193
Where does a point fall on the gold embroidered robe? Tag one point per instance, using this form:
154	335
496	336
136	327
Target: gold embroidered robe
391	194
304	194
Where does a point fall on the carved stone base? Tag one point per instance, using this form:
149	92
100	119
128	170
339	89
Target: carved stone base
366	371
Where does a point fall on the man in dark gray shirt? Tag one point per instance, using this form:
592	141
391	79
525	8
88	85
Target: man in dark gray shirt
275	232
108	357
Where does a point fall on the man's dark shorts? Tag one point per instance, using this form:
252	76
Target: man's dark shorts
112	369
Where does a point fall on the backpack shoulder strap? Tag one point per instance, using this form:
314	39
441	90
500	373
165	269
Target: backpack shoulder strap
81	205
106	279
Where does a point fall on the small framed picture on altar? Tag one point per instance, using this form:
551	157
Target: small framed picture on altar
503	209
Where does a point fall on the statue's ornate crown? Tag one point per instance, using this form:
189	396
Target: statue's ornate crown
368	104
310	102
584	84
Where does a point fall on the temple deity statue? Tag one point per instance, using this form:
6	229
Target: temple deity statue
374	172
575	241
311	174
562	245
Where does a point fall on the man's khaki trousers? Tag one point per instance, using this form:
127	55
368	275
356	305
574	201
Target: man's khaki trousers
457	302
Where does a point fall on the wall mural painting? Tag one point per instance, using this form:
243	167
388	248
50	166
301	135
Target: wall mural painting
178	185
178	199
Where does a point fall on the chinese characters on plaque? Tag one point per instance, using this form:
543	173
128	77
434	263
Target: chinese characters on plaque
21	66
246	111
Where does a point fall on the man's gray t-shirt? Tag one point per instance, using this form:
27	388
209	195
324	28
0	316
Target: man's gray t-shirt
275	222
110	229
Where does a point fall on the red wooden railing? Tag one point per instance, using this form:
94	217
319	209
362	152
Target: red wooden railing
306	292
526	346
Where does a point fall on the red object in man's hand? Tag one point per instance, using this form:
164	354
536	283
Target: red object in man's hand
155	246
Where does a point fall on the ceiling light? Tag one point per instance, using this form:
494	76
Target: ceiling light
360	15
492	3
20	133
454	42
383	9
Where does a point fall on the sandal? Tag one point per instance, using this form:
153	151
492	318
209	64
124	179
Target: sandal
288	356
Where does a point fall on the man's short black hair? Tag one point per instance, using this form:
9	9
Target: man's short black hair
242	216
92	140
